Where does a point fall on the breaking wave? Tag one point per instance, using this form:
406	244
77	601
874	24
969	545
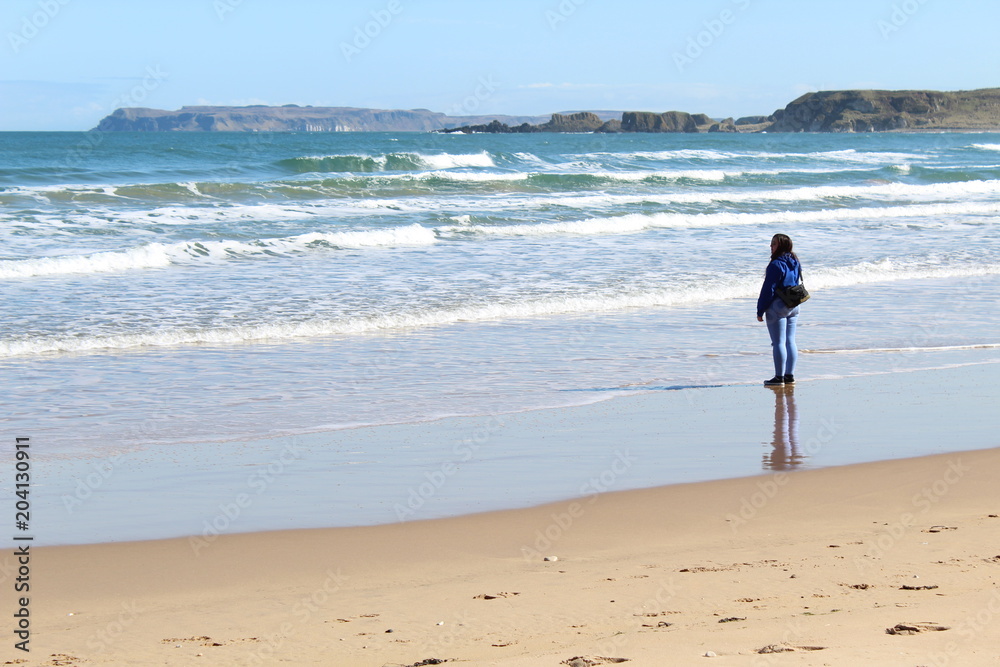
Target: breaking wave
159	255
385	162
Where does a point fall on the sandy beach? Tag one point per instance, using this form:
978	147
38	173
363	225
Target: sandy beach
817	564
793	567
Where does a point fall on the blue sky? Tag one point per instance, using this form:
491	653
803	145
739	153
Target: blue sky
64	64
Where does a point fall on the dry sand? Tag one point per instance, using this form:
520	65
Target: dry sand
815	564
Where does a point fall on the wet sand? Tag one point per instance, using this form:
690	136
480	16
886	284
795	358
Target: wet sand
794	567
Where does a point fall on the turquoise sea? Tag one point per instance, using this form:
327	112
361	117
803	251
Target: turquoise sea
175	295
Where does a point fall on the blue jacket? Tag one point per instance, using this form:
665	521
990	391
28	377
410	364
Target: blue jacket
784	271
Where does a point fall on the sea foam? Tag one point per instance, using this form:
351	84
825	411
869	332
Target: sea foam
721	288
637	222
160	255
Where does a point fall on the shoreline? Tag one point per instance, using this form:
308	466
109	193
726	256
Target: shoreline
794	560
461	465
815	563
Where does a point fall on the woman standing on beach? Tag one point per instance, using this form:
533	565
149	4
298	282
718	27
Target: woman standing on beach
785	271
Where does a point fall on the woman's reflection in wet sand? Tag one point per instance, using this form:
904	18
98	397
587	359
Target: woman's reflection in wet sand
785	455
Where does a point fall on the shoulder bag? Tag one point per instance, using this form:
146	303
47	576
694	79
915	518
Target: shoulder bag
794	295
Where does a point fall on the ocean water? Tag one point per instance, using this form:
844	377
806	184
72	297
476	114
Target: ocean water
172	290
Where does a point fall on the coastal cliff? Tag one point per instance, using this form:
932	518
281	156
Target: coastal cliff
890	110
289	118
825	111
670	121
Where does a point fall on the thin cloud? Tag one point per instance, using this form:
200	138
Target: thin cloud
571	86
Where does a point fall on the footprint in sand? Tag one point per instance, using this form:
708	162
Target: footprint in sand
915	628
486	596
787	648
939	529
590	661
62	660
174	640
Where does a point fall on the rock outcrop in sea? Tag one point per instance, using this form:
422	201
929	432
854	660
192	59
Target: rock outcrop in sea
726	125
631	121
583	121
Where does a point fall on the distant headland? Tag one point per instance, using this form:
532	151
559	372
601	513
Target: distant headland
289	118
825	111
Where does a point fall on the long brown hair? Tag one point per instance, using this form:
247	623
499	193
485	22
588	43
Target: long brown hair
784	246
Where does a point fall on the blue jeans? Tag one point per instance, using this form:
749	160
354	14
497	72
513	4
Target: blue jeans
781	321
